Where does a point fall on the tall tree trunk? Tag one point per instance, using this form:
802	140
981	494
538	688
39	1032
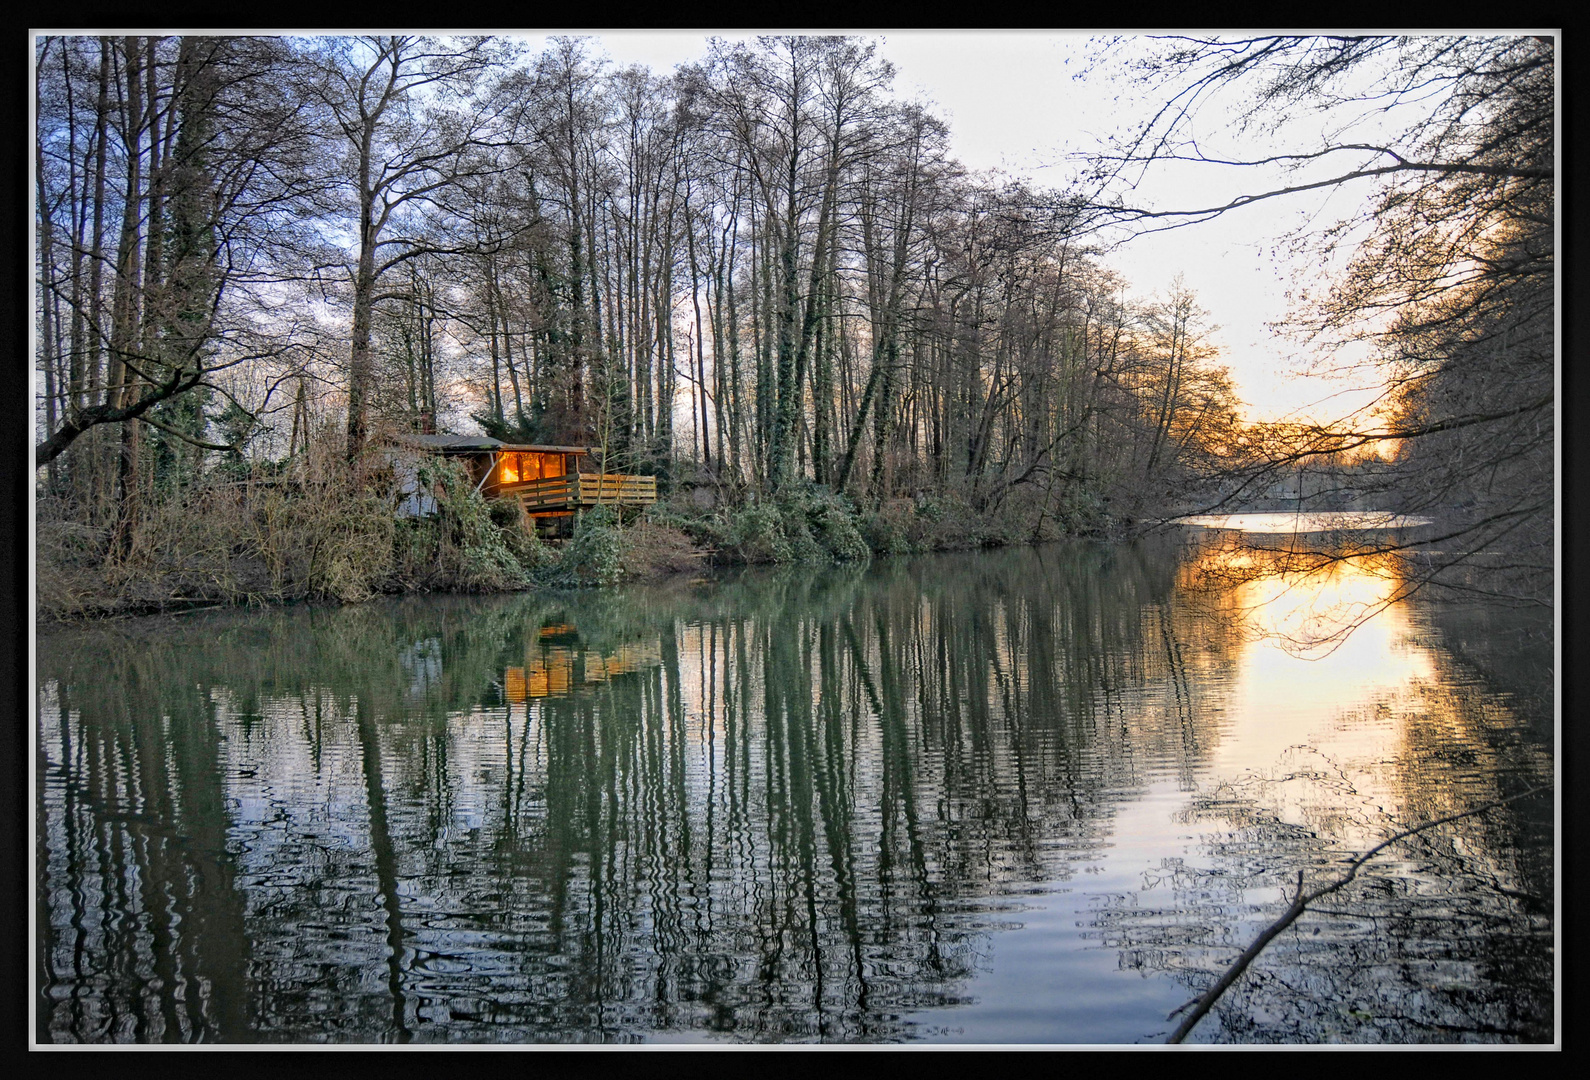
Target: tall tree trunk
96	474
125	307
427	361
782	448
78	216
736	389
360	361
155	302
695	303
501	307
715	319
49	344
496	359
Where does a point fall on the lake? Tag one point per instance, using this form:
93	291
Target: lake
1035	796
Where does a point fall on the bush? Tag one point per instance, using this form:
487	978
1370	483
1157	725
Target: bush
653	549
1082	513
836	526
485	557
947	522
889	531
595	554
803	526
67	558
523	542
312	528
754	533
803	546
323	534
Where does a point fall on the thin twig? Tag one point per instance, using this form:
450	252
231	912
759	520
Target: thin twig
1302	901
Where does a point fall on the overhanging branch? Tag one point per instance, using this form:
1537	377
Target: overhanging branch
1303	899
185	437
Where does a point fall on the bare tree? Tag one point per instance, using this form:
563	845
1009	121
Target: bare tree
412	120
213	174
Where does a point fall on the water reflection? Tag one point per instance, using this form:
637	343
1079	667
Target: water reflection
1448	937
781	807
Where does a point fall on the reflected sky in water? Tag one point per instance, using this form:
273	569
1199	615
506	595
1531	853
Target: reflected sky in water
1034	796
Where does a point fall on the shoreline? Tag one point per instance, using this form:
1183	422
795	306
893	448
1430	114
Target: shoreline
702	562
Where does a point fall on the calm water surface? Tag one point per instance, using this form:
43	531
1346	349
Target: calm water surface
1038	796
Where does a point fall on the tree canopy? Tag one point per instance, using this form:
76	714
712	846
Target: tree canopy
766	269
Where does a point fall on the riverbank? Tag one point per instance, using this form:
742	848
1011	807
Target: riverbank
331	537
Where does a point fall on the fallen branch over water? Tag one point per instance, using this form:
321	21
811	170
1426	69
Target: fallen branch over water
1301	903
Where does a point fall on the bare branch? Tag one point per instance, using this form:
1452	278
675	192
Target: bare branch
1303	899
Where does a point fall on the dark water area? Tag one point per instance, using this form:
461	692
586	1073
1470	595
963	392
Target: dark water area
1025	796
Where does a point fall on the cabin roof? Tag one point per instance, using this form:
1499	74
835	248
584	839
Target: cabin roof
477	444
548	449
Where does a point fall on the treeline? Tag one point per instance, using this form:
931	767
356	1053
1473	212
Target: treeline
762	272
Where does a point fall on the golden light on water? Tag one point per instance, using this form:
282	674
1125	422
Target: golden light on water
1330	681
558	671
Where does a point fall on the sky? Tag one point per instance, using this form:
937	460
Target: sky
1030	103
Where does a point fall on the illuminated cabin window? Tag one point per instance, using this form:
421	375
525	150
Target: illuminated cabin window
524	466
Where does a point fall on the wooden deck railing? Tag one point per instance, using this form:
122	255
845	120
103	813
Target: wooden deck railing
576	490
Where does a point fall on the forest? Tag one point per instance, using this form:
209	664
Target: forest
762	278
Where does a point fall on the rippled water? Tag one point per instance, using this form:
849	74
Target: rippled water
1036	796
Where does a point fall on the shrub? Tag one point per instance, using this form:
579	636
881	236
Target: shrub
1083	513
801	526
322	534
485	561
754	533
526	545
67	558
653	549
835	525
796	527
889	529
311	528
595	554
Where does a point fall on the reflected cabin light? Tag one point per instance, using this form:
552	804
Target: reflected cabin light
558	670
513	684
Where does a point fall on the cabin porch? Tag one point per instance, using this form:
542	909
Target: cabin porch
547	482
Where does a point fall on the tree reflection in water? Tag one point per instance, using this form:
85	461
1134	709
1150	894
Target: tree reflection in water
779	807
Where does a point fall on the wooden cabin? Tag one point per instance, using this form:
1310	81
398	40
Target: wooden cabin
546	481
